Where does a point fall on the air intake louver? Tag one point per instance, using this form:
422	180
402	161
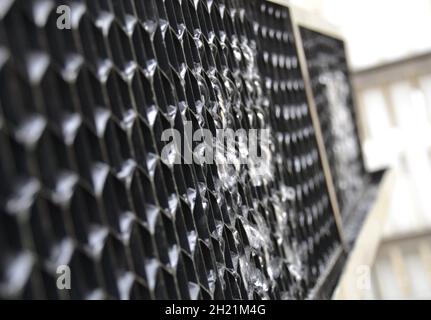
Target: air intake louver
82	113
332	91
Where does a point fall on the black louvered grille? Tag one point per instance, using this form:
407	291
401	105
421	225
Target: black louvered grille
333	95
82	114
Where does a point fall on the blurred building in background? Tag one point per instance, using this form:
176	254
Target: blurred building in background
390	53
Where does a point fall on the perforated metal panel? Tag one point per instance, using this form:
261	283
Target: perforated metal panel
333	95
82	183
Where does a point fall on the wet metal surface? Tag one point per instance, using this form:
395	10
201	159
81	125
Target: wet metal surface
333	95
82	182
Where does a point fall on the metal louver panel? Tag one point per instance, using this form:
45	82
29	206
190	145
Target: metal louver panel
333	95
82	113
